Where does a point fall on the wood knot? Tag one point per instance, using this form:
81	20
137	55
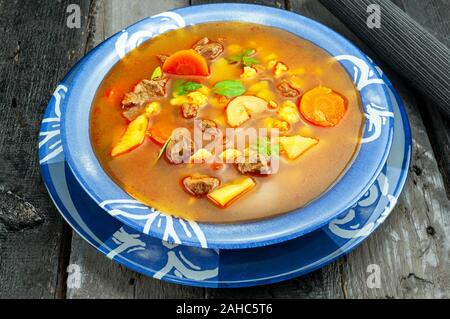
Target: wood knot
17	214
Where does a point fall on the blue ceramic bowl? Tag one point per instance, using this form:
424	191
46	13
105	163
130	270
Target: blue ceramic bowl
376	142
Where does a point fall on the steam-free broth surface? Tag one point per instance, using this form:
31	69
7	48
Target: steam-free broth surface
326	125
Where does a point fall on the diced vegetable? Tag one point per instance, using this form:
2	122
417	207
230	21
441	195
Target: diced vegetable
248	72
279	69
226	194
202	155
133	137
288	112
186	62
241	108
273	104
323	107
222	70
152	108
296	145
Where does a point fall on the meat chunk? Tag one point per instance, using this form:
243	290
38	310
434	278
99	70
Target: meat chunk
287	90
200	185
208	49
257	165
144	91
204	125
189	110
133	112
180	147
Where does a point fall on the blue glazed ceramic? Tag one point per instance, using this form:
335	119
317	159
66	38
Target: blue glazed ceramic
376	143
212	267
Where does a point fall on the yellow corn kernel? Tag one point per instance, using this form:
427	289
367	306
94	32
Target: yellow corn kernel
279	124
248	73
280	68
202	155
152	108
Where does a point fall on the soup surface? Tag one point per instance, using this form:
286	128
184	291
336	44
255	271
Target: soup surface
216	76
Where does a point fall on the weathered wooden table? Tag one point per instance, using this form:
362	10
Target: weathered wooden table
412	247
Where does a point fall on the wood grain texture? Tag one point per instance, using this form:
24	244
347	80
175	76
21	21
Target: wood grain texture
407	47
434	16
37	50
412	246
100	277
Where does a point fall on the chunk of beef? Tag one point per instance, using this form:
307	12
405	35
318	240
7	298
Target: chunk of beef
208	49
257	165
200	185
180	147
144	91
133	112
189	110
204	125
287	90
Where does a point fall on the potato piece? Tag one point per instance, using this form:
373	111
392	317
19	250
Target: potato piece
221	70
133	137
296	145
248	73
152	108
288	112
202	155
242	107
229	192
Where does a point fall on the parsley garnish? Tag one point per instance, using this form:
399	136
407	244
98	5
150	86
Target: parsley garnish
229	88
265	148
161	152
183	87
157	73
244	58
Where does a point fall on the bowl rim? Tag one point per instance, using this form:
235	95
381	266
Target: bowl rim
90	174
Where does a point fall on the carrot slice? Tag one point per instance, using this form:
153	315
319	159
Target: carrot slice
186	62
323	107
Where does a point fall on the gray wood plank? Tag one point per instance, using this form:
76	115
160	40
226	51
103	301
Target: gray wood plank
411	247
100	277
37	50
434	16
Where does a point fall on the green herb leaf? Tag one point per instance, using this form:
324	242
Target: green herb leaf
244	58
265	148
229	88
249	61
161	152
183	87
156	73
